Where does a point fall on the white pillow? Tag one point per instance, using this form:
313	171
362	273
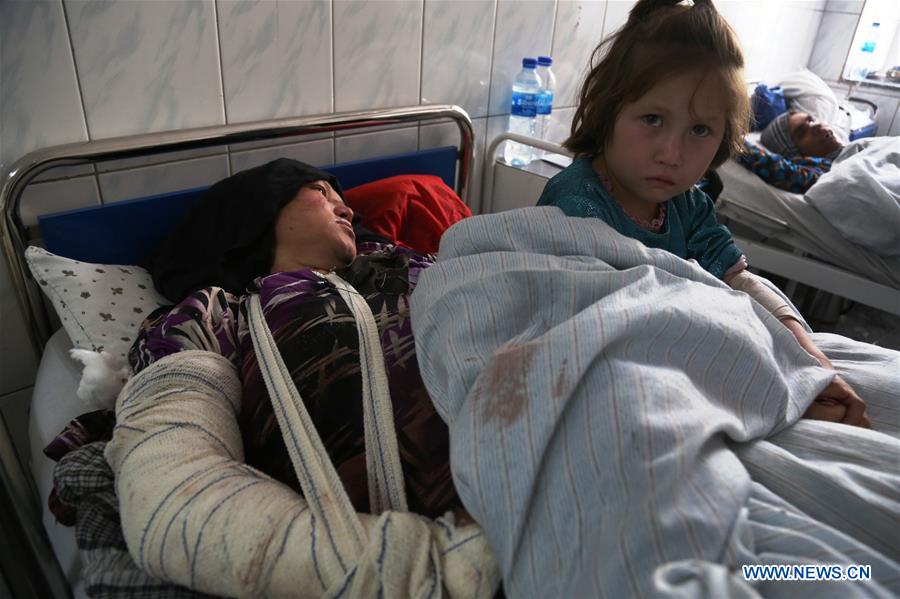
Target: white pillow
101	306
807	92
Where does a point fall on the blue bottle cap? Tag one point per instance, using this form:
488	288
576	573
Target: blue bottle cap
529	63
545	61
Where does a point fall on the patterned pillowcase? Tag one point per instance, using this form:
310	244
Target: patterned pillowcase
100	305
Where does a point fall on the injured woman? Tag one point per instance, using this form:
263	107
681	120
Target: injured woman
276	439
623	424
856	187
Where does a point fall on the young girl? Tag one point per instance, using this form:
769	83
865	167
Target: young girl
666	103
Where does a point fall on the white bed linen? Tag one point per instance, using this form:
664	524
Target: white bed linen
809	230
623	424
53	405
860	195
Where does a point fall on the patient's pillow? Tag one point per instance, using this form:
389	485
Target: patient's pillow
807	92
413	210
100	305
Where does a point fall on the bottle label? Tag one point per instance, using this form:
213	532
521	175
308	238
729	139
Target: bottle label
545	102
524	104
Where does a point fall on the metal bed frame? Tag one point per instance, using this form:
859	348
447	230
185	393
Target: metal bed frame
799	267
793	266
25	544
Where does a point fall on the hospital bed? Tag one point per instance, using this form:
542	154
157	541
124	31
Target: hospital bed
44	552
782	233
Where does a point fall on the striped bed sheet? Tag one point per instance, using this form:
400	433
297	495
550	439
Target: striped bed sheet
624	424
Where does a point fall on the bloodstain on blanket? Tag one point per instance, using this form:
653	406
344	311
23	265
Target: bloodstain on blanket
504	383
562	385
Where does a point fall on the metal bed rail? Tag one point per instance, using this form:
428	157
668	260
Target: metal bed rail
771	220
820	275
486	205
28	563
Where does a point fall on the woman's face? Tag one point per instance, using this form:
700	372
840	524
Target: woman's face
314	230
813	138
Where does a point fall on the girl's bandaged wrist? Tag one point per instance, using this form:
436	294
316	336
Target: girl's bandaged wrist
754	287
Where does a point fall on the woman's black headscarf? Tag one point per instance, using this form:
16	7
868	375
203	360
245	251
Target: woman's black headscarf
227	238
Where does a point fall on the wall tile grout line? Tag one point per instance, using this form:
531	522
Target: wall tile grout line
487	115
553	29
421	73
493	44
333	86
228	163
219	59
87	129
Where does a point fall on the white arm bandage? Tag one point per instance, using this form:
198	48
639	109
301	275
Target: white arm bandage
193	513
753	286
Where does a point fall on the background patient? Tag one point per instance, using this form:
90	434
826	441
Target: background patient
798	133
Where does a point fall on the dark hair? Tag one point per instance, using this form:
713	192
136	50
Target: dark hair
661	39
226	238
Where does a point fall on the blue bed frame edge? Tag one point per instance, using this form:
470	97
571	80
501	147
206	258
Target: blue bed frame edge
95	234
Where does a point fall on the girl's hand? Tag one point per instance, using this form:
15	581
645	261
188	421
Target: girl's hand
838	402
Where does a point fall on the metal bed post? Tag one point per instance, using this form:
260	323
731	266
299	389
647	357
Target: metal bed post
40	575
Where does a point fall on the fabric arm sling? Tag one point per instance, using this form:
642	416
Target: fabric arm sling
193	514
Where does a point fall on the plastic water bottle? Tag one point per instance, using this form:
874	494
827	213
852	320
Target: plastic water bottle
867	51
526	91
545	103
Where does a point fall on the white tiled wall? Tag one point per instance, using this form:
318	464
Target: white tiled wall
458	36
522	29
377	53
146	66
829	53
40	101
832	43
275	58
74	70
572	50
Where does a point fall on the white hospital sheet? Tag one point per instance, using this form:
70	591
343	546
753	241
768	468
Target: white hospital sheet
808	230
53	405
623	424
860	195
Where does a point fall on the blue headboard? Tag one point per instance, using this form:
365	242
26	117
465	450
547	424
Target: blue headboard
123	232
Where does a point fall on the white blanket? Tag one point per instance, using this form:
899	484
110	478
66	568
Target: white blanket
860	196
621	421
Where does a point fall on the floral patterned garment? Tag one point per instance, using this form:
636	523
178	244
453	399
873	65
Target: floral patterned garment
795	174
317	336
